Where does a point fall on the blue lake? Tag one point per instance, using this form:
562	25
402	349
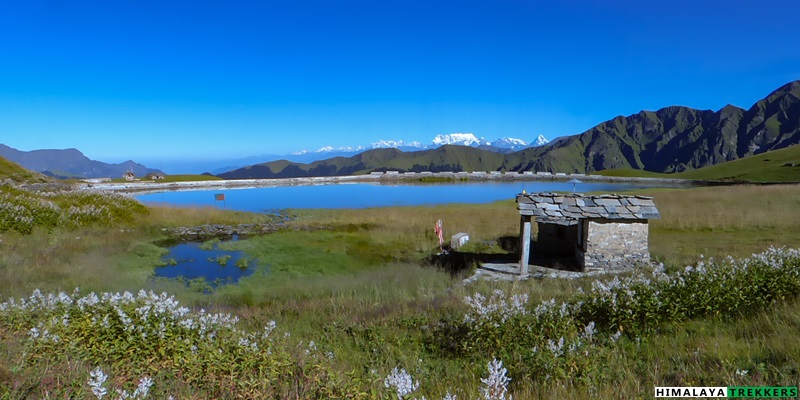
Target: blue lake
364	195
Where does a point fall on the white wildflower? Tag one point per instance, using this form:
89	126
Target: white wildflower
496	385
96	382
402	382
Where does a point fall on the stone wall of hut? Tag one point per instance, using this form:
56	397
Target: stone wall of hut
611	245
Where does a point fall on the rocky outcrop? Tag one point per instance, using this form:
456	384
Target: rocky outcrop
210	231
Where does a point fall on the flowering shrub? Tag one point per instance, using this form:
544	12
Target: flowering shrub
641	304
22	210
147	333
495	386
401	382
97	383
569	339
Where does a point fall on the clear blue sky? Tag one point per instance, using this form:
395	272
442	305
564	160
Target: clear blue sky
154	80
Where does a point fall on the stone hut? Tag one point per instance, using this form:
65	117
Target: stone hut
129	176
606	232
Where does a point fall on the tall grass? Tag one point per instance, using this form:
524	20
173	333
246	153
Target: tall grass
720	221
409	230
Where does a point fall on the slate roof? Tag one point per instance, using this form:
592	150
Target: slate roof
567	209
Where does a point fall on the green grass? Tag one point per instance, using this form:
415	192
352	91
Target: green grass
773	166
632	173
720	221
15	172
436	179
766	167
354	282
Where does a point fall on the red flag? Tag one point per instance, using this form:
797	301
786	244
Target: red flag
219	197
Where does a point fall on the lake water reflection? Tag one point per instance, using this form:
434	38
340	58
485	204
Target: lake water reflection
192	261
364	195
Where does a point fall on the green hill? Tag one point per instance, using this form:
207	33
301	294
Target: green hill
633	173
774	166
69	163
445	158
15	172
673	139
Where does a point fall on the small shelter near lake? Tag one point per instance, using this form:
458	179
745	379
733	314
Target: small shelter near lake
605	232
155	176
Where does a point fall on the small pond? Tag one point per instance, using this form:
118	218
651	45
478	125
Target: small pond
206	261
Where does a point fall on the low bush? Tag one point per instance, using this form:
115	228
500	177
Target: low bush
571	339
23	211
148	334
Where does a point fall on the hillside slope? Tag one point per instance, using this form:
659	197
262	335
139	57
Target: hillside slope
445	158
674	139
70	163
781	165
15	172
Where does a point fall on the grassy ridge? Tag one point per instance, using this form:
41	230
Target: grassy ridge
773	166
766	167
445	158
15	172
633	173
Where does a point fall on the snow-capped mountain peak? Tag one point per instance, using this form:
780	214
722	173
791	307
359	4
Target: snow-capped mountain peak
463	139
330	149
540	140
509	143
393	144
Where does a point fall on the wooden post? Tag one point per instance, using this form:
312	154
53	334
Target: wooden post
524	244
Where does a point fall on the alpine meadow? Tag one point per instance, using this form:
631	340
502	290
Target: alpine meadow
399	200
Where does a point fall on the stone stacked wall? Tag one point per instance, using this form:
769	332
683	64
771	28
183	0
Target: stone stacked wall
615	246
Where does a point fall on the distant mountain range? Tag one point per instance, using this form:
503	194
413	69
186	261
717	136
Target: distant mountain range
671	139
463	139
70	163
675	139
502	145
